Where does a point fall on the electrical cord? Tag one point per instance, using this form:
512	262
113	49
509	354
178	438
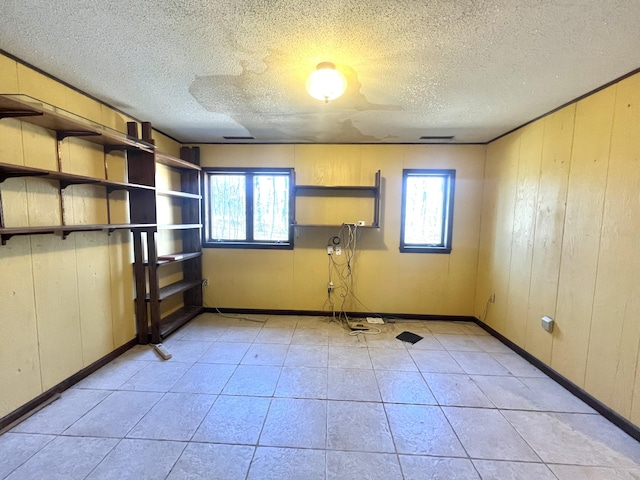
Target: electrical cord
370	331
347	237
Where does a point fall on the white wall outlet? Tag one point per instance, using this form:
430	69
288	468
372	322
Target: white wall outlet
205	282
360	223
329	250
338	250
547	324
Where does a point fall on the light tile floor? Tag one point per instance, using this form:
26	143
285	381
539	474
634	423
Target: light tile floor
285	397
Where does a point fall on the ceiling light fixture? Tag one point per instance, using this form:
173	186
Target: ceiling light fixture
326	83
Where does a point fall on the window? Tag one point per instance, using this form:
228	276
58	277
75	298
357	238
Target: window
427	211
247	207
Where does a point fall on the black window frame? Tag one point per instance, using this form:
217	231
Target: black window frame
249	173
447	224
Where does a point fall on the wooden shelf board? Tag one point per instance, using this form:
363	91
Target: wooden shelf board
72	228
175	288
175	162
8	170
185	257
64	230
34	111
115	185
172	322
182	226
173	193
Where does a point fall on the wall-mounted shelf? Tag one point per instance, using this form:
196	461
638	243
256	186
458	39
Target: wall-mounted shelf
344	191
64	230
8	170
174	162
66	124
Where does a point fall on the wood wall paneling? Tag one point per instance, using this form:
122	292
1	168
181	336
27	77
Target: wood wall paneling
547	246
94	294
57	309
73	302
9	77
122	290
615	331
41	87
501	173
581	242
14	193
19	356
11	144
582	256
384	279
524	214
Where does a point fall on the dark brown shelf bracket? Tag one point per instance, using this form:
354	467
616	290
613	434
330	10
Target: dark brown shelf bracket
5	175
18	113
64	183
62	134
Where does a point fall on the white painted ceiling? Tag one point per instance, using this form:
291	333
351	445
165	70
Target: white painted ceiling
200	70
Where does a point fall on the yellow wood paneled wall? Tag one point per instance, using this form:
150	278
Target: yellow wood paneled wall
559	237
63	303
385	280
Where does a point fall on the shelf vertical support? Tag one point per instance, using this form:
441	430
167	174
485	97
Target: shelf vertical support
59	139
1	212
377	195
107	191
142	323
154	290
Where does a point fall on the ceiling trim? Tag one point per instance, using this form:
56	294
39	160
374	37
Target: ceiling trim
575	100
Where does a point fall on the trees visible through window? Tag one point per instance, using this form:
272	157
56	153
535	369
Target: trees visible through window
248	208
427	211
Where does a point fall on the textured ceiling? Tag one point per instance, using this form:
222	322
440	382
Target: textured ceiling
201	70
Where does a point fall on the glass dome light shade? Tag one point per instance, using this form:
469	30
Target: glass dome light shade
326	83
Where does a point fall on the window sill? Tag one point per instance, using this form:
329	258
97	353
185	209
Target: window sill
406	249
249	245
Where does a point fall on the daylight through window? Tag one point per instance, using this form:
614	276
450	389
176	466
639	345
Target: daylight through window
248	208
427	211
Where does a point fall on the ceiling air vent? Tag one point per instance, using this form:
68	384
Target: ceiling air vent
239	138
437	137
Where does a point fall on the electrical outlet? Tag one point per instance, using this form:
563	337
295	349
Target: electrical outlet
338	250
205	282
329	250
